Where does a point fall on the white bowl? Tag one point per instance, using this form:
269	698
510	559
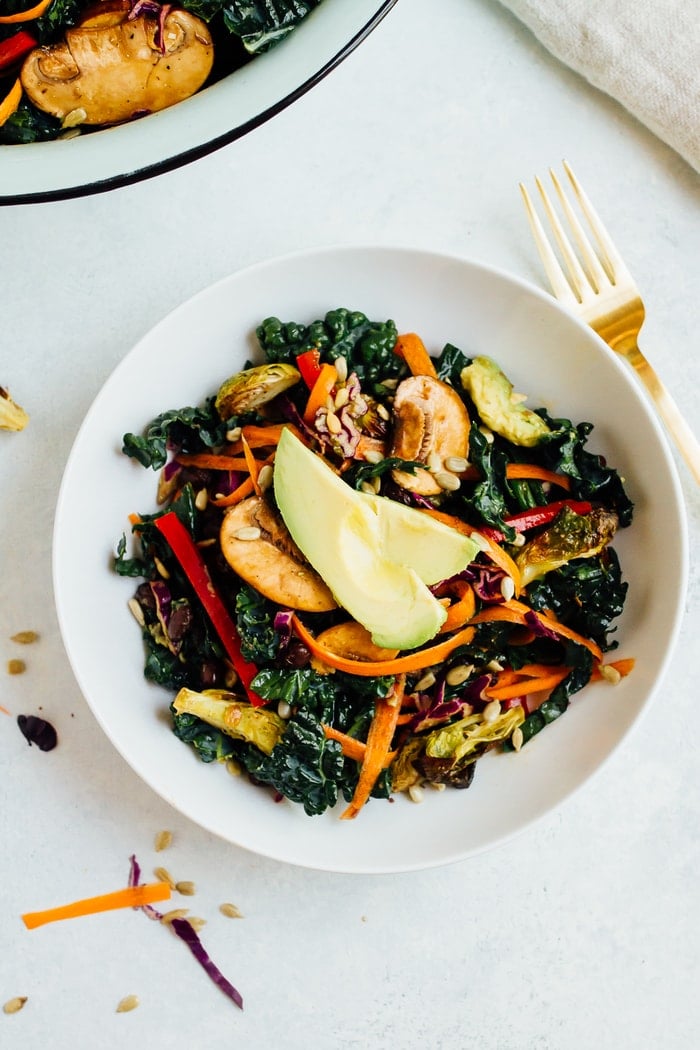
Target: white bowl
558	361
216	116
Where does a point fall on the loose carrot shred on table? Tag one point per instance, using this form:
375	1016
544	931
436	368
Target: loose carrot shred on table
11	101
327	378
412	348
379	737
371	668
28	15
531	470
4	710
130	897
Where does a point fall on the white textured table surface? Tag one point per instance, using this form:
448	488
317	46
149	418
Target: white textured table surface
581	933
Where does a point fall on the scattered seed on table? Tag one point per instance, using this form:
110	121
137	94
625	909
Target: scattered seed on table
186	888
136	611
174	913
16	667
25	637
230	911
163	840
163	875
129	1002
13	1006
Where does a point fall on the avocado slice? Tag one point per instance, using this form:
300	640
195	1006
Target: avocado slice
492	393
377	556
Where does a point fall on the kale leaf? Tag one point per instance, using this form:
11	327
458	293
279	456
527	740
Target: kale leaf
263	23
255	622
189	429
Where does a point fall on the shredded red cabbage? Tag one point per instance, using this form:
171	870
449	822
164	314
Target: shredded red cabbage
538	627
183	929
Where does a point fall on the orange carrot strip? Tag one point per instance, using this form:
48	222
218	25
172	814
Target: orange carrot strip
211	461
412	348
131	897
11	101
371	668
351	746
26	16
531	470
553	624
327	378
253	466
379	737
623	668
461	611
528	685
4	710
244	489
497	555
134	519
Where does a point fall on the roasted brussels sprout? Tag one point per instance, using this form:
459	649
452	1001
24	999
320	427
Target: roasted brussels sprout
569	536
245	391
236	718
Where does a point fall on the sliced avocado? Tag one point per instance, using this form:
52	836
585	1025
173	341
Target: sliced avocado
377	556
492	393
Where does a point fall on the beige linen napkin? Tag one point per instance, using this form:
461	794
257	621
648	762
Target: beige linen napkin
644	53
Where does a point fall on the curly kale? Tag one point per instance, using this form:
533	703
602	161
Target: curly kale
189	429
255	622
367	346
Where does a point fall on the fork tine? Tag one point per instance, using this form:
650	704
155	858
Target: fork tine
599	274
557	279
578	279
612	259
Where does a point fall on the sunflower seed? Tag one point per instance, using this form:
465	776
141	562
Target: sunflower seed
434	463
341	367
458	674
136	611
201	499
507	587
163	840
13	1006
129	1002
162	571
16	667
425	682
342	397
333	423
373	455
163	875
457	464
492	711
174	913
234	434
517	739
186	889
610	673
447	481
265	477
230	911
415	793
25	637
197	924
248	532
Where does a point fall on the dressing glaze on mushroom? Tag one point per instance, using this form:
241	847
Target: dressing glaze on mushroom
123	60
430	425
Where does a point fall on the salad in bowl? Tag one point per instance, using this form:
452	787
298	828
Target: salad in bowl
370	564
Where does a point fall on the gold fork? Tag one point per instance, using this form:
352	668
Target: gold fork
601	291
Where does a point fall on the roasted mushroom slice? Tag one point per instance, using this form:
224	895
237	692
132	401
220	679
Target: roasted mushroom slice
114	66
256	544
431	425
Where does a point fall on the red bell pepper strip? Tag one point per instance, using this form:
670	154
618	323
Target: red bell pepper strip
536	516
309	364
193	565
15	48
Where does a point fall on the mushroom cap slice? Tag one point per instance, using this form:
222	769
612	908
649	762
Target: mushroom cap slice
256	544
110	69
430	423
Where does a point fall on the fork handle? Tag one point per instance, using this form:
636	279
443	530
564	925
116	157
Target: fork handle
676	425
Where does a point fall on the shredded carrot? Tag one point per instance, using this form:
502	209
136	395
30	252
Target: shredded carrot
131	897
531	470
515	612
212	461
371	668
26	16
412	348
244	489
379	737
11	101
134	519
253	466
462	610
327	378
528	685
262	436
351	746
493	551
4	710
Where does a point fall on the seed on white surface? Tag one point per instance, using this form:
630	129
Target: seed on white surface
247	533
448	482
458	674
437	786
415	793
163	875
13	1006
186	888
16	667
163	840
517	739
492	711
136	611
341	367
457	464
230	911
129	1002
197	924
174	913
25	637
201	499
233	767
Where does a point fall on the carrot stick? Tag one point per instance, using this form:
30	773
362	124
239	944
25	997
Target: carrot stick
131	897
412	349
211	461
244	489
515	612
497	555
351	746
531	470
371	668
253	466
327	378
461	611
11	101
528	685
379	737
28	15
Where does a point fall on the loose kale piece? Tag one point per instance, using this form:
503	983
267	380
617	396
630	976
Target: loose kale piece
189	429
367	346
